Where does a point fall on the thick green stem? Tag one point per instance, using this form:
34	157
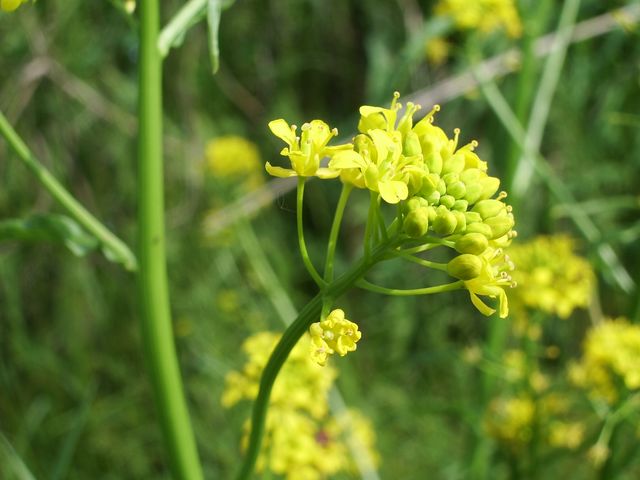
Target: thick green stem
114	247
157	335
335	230
292	334
301	243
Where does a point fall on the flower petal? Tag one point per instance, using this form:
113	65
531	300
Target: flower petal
393	191
279	171
281	129
347	159
325	173
482	307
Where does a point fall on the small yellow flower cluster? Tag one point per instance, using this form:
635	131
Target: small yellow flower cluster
334	334
610	361
444	190
234	158
550	276
10	5
486	16
511	420
302	441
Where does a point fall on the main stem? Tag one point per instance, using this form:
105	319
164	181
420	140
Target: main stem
153	292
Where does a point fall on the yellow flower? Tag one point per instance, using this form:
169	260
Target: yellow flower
611	360
566	434
550	276
493	278
301	440
509	420
234	158
437	50
334	334
485	16
10	5
306	151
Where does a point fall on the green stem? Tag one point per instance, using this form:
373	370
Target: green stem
109	242
335	230
189	14
412	291
422	261
292	334
430	242
153	292
302	244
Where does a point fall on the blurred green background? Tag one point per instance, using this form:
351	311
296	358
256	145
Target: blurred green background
74	397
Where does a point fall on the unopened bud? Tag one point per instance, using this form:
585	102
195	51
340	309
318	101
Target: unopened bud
433	198
473	193
461	221
457	189
489	208
433	161
474	243
372	122
447	201
500	225
411	145
416	222
480	227
445	222
415	202
465	267
490	186
461	205
454	164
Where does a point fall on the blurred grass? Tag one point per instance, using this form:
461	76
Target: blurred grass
74	399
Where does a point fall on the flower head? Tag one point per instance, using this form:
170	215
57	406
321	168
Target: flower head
334	334
486	16
305	151
10	5
234	158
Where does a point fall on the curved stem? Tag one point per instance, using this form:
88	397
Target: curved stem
291	335
409	292
112	244
335	230
430	243
303	246
153	291
422	261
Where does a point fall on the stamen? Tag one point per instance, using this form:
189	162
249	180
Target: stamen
502	195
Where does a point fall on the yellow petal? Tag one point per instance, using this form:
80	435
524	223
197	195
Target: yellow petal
504	304
281	129
480	305
279	171
347	159
393	191
325	173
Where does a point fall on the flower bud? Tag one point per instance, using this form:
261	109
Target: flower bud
445	222
465	267
450	178
414	203
490	186
472	217
433	198
473	193
429	184
433	161
500	225
442	187
454	164
411	145
416	222
489	208
471	175
480	227
461	205
447	201
474	243
457	189
461	221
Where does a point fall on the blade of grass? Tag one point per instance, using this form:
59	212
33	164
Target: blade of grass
12	462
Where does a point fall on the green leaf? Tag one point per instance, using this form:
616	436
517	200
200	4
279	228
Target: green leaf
52	228
214	10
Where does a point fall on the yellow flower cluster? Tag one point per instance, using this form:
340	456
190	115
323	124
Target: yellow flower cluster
302	442
611	360
550	276
334	334
444	190
234	158
486	16
10	5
